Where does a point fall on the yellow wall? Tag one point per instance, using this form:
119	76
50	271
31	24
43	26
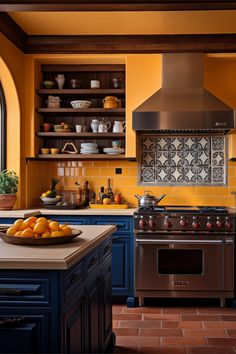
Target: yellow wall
143	78
12	77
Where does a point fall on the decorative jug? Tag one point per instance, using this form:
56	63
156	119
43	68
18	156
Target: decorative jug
111	102
104	127
60	79
118	127
94	125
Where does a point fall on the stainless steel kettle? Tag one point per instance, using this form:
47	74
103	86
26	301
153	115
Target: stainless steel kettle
148	200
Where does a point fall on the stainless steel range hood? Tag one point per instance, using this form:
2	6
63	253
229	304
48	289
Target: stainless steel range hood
182	104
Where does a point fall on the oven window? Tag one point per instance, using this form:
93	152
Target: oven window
180	261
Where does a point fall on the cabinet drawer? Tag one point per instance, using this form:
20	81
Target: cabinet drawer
123	224
73	280
92	262
21	291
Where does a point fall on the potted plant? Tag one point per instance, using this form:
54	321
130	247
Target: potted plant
8	188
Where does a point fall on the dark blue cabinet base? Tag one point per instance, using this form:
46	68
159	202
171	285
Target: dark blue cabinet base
58	311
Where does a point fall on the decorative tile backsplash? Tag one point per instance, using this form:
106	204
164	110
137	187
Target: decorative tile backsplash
177	160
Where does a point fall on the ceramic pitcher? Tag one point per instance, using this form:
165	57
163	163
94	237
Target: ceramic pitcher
104	127
60	79
118	127
94	125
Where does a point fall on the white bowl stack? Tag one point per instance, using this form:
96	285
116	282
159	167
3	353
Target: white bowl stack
114	151
89	148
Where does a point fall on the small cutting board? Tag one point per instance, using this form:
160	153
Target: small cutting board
108	206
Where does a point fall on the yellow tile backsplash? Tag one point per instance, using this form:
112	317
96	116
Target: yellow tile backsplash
39	174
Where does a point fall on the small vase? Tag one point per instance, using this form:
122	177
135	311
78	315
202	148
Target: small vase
7	201
60	79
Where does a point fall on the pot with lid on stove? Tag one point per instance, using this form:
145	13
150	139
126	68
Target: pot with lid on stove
148	200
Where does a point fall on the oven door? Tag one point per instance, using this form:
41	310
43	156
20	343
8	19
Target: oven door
183	263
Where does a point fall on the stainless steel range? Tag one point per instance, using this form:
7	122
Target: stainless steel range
184	252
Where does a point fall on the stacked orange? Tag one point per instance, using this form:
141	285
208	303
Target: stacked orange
38	227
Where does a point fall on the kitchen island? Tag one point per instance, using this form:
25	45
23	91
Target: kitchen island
57	299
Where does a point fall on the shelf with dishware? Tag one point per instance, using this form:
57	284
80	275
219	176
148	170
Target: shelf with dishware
84	103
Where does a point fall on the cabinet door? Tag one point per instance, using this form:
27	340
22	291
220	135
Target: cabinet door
93	305
106	305
25	333
74	327
121	277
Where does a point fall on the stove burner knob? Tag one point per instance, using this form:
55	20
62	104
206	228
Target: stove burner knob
142	224
152	224
167	224
229	225
195	225
210	225
183	222
219	224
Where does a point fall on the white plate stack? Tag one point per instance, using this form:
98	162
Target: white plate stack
89	148
114	151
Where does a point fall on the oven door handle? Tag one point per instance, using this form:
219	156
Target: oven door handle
187	242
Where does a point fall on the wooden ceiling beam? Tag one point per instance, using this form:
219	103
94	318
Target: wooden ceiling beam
115	5
10	29
109	44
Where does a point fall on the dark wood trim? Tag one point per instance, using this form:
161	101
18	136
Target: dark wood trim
3	130
79	157
115	5
10	29
82	67
81	135
81	92
108	44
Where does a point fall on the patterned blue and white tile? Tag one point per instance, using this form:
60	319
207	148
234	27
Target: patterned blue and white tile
218	175
148	175
148	159
163	144
148	144
203	143
203	157
204	174
218	158
218	143
190	174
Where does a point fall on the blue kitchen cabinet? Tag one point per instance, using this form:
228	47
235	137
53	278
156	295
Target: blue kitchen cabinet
58	311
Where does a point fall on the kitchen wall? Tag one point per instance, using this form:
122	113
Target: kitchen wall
143	79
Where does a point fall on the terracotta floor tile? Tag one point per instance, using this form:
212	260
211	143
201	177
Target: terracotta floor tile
115	323
210	333
126	331
117	308
137	341
126	349
216	310
140	324
231	332
183	342
142	310
179	310
182	324
162	350
127	316
200	318
228	317
230	342
165	317
219	324
162	332
210	350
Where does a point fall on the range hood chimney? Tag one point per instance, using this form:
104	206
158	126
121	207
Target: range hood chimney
182	104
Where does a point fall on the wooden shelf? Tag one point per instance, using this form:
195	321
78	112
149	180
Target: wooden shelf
103	111
84	92
78	157
82	67
81	135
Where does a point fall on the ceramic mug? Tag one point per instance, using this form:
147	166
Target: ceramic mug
116	144
95	84
54	151
45	151
47	127
79	128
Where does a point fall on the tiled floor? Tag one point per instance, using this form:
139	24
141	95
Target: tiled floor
176	330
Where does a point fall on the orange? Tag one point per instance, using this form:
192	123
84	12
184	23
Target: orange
27	233
18	233
40	227
11	231
41	219
67	230
30	220
46	234
57	234
23	226
54	225
32	225
17	224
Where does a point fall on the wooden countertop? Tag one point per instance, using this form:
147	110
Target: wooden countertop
54	257
25	213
